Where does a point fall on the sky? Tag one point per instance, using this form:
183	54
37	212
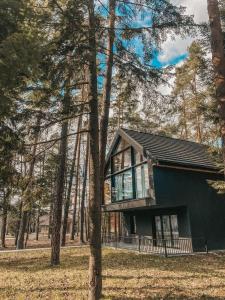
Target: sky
175	51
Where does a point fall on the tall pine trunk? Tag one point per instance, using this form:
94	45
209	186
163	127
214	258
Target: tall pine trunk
73	229
67	203
82	207
218	60
107	94
95	260
60	181
27	190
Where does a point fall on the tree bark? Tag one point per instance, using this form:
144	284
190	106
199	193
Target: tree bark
107	94
18	222
37	223
82	207
27	190
4	218
67	203
218	60
50	221
95	260
60	182
73	230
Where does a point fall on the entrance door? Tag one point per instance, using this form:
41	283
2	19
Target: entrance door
166	228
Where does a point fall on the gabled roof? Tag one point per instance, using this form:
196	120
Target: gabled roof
170	150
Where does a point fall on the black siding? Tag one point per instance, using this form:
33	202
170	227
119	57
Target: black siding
205	207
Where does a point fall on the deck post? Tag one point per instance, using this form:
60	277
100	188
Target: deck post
165	248
139	243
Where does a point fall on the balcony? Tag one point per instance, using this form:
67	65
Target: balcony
129	205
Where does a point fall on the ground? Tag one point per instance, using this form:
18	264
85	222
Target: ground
127	275
43	242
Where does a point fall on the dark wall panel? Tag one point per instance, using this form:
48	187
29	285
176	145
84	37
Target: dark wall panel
206	208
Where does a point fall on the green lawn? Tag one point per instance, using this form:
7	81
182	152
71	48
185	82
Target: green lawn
127	275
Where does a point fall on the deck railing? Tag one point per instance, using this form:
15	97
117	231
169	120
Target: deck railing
145	244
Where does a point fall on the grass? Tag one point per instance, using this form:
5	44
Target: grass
27	275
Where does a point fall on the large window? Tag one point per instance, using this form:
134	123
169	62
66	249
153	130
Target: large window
142	181
122	160
123	186
128	173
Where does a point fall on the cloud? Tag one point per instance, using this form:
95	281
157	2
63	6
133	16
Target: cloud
198	8
172	49
175	48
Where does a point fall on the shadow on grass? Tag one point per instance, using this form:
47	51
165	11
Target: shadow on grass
77	258
34	262
193	267
193	263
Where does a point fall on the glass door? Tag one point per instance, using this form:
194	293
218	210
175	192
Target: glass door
166	228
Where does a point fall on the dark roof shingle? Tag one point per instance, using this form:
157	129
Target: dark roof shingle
172	150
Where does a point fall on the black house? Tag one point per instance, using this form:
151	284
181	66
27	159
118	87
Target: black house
158	186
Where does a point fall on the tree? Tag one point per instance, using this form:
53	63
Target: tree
27	190
95	267
58	200
192	97
218	60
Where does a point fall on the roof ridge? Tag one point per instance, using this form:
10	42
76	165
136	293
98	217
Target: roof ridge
164	136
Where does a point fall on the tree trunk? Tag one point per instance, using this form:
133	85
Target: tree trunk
73	230
50	221
107	94
185	115
4	218
18	222
82	207
218	60
95	264
67	203
37	223
27	229
26	192
60	181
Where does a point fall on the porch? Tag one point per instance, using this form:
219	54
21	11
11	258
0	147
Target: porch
149	245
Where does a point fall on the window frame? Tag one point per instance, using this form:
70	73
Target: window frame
132	168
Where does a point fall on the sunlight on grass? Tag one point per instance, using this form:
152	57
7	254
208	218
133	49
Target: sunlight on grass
28	275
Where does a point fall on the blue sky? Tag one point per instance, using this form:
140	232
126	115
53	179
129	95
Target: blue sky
173	51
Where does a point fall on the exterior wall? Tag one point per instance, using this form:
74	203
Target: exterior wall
145	220
205	207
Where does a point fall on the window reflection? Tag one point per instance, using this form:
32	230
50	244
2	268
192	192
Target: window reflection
142	181
123	187
122	160
128	177
107	191
121	146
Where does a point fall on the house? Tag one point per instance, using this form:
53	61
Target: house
159	187
44	224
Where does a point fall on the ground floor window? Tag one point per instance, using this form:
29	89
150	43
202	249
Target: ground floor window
166	227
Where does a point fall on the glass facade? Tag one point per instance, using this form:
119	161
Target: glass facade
142	181
123	186
128	175
122	160
107	191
